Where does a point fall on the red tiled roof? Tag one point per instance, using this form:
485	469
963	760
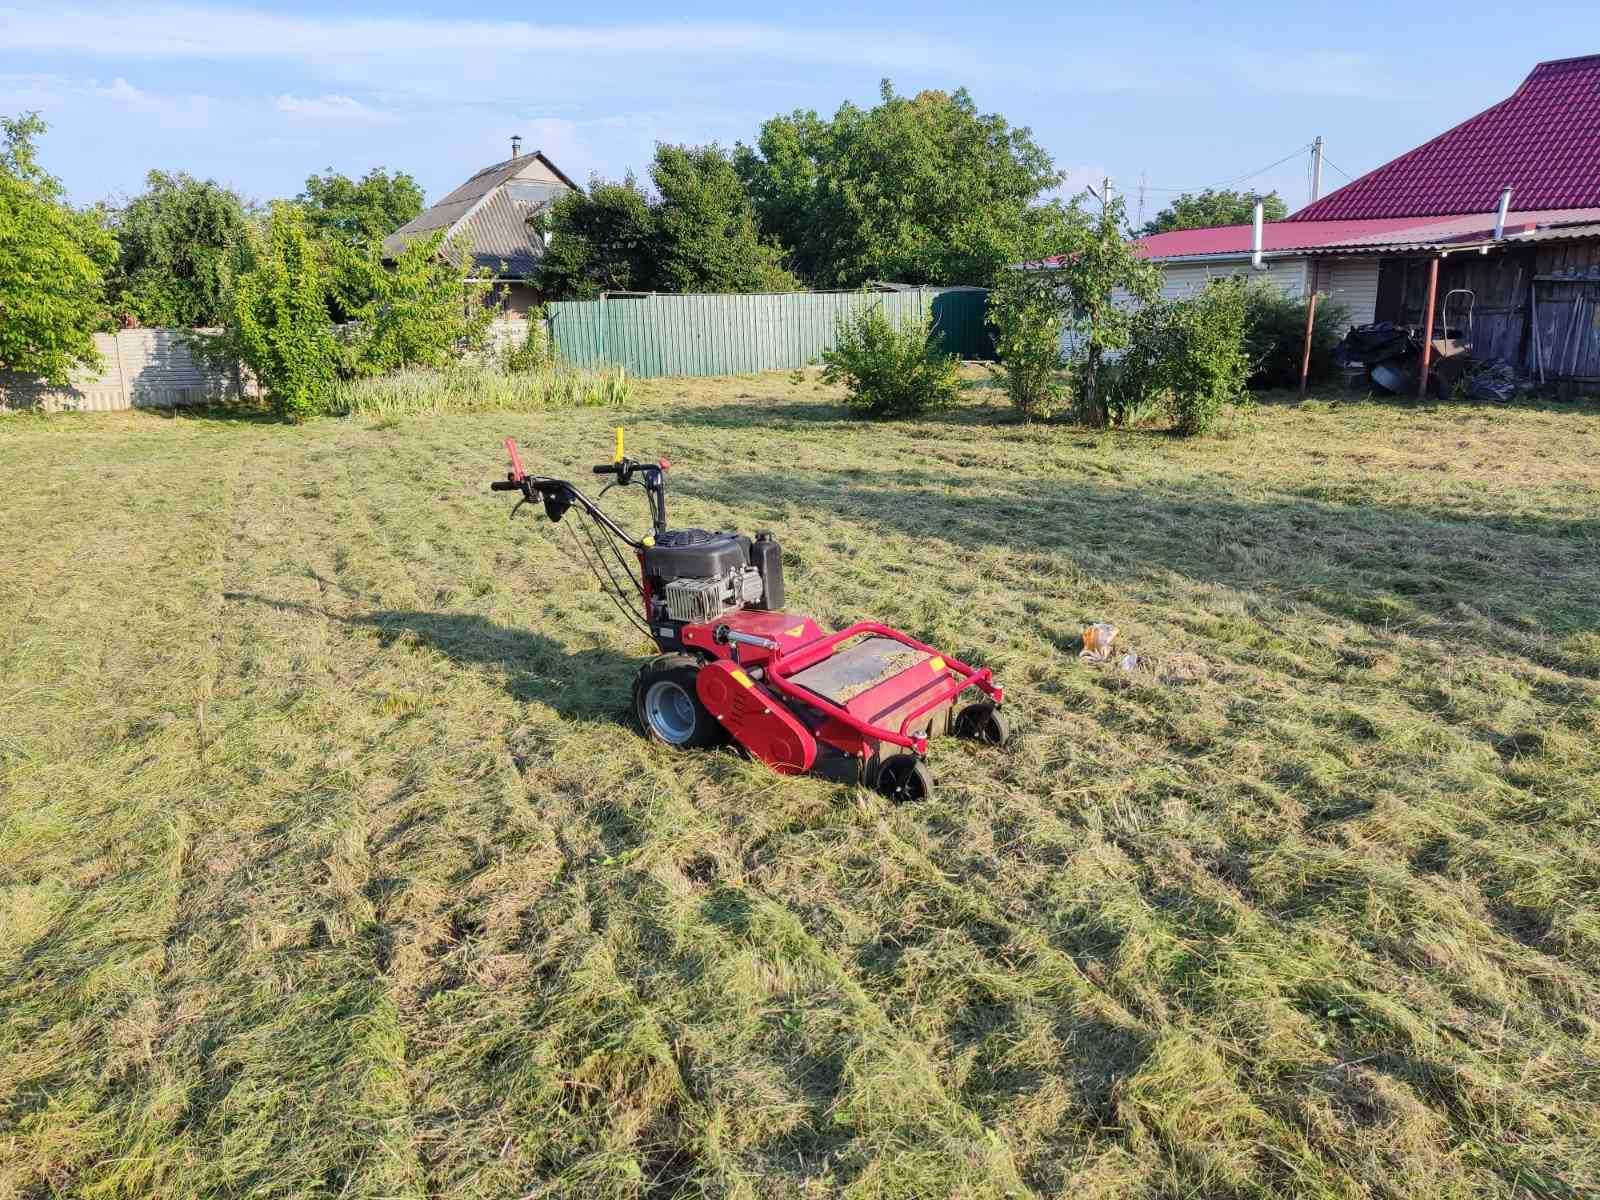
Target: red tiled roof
1356	236
1543	142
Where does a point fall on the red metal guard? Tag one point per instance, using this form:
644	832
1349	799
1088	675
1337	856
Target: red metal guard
781	665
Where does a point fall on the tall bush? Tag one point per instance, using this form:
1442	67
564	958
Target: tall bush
1025	311
1097	283
276	316
1276	333
53	261
417	310
890	372
1186	358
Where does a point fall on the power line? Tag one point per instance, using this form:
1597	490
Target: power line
1338	168
1231	181
1268	167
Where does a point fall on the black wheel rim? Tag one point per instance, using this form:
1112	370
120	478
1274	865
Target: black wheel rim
901	783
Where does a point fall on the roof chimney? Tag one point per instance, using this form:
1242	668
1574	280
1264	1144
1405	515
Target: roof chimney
1500	217
516	145
1256	219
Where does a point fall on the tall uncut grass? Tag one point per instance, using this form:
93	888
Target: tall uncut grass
484	389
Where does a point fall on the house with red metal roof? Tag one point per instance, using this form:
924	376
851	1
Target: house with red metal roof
1504	207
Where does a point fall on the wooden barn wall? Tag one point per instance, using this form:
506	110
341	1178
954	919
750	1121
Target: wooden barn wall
1569	311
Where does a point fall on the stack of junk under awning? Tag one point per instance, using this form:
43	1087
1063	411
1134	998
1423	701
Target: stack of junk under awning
1387	356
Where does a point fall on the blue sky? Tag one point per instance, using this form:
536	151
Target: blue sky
260	96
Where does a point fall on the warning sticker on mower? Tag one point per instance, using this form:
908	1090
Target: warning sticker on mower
744	680
796	631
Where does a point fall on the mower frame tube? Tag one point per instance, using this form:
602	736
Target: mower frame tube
782	665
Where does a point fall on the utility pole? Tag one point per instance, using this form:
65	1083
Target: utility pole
1105	196
1139	223
1316	167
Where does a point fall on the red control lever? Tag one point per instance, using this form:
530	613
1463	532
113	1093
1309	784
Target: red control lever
517	473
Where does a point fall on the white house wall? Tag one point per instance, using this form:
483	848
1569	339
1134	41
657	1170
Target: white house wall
1350	282
1185	279
1353	284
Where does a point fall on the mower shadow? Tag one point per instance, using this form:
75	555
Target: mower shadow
582	685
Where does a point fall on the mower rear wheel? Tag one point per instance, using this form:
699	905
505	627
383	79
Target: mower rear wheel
668	707
983	722
905	779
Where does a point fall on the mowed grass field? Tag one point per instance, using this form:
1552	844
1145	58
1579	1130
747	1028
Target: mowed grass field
331	864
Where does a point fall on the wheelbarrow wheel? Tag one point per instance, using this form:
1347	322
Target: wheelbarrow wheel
668	706
983	722
905	779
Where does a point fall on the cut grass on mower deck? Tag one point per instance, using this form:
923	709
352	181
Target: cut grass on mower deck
329	864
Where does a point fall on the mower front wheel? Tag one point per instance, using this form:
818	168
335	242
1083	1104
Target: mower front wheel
905	779
983	722
668	706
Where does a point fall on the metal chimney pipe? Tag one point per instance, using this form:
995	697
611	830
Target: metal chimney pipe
1500	217
1256	238
516	145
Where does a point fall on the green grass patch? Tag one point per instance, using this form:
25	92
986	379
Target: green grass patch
330	864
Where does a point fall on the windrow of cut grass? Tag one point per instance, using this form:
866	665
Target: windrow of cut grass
473	388
330	864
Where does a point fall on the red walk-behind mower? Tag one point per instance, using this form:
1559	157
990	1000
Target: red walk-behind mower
857	706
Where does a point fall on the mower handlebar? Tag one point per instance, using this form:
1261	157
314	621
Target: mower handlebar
505	485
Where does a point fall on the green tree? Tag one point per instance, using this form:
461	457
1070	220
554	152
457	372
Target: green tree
419	312
1215	206
598	241
174	241
695	233
1187	357
360	212
276	315
706	235
53	263
921	189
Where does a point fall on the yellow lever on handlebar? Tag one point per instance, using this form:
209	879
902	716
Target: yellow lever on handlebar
619	445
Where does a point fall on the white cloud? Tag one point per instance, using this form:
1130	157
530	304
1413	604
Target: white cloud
333	108
186	31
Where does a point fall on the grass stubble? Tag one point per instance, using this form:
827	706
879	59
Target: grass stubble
329	864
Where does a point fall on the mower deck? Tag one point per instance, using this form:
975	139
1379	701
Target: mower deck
877	680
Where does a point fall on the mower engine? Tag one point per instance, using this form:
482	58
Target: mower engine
695	576
708	599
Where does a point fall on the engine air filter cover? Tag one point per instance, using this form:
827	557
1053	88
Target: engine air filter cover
712	558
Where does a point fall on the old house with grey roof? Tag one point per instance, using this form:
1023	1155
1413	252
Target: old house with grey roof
491	215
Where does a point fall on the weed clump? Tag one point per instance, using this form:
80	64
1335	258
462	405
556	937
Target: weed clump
889	372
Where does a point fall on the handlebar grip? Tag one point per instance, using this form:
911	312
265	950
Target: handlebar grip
607	468
505	485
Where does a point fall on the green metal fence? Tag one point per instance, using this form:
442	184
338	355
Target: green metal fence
739	334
